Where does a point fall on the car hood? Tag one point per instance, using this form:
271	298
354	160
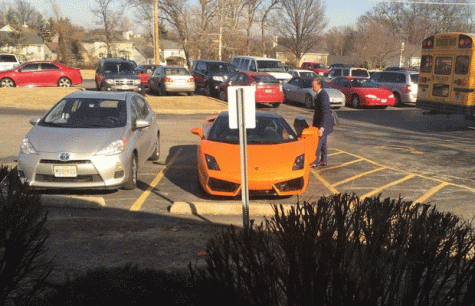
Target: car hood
121	76
262	160
72	140
334	93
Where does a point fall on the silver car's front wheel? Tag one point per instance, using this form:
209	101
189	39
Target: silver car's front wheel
131	182
7	82
309	102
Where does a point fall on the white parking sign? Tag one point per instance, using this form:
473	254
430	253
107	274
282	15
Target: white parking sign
249	100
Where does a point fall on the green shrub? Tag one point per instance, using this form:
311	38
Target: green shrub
23	262
343	251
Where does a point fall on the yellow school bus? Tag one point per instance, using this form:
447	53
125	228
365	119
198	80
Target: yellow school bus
447	75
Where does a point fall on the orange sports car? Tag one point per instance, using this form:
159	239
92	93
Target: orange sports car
278	159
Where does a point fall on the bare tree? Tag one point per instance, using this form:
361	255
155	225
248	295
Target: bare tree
26	13
266	10
300	23
109	15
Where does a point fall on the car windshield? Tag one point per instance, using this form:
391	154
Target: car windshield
359	72
176	71
367	83
119	68
87	113
270	66
308	74
265	79
306	83
269	130
221	67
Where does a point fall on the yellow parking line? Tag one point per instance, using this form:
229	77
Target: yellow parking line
358	176
342	165
431	192
324	182
336	153
138	204
377	190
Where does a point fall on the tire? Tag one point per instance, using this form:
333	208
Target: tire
64	82
161	91
156	151
275	105
222	95
208	90
398	99
308	102
131	182
355	101
7	82
190	93
285	98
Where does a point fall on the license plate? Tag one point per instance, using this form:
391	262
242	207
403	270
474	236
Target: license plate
65	171
384	100
268	90
125	87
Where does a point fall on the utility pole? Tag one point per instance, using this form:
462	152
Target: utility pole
156	32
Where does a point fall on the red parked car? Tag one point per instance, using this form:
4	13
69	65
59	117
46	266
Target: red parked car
361	91
268	88
318	68
144	72
40	73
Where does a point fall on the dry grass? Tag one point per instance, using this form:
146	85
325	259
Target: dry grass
43	98
87	74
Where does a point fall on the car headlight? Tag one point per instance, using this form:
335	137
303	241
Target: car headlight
137	82
113	148
371	96
299	162
26	147
391	96
211	162
218	78
109	81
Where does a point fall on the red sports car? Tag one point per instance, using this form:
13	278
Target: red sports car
268	88
40	73
363	92
145	72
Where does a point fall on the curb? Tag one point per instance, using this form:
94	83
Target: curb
222	208
72	201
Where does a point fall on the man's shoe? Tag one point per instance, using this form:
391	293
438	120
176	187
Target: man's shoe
322	164
314	164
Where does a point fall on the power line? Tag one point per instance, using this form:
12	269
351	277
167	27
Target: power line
425	2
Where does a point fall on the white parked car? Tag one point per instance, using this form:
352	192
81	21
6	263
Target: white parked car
8	61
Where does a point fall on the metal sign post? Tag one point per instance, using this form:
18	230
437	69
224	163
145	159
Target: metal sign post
242	108
243	153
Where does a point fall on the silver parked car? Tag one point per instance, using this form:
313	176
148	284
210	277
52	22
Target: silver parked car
402	83
165	79
302	73
300	90
90	140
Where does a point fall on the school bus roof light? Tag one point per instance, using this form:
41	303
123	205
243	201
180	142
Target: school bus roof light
465	41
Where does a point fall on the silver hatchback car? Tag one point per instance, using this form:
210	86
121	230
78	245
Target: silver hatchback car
90	140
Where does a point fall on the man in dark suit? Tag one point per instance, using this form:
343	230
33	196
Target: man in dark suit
323	120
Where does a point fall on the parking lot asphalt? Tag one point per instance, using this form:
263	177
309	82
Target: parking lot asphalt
170	186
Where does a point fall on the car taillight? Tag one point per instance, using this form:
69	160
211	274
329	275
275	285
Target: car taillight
408	88
167	79
191	79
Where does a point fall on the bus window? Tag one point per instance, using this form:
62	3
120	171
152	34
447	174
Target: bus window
462	64
426	63
443	65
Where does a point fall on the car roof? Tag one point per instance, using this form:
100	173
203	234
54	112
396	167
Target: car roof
89	94
257	57
212	61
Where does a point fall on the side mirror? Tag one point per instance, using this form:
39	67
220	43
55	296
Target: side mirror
198	131
140	124
34	120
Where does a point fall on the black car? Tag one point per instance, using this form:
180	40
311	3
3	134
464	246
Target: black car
209	75
115	74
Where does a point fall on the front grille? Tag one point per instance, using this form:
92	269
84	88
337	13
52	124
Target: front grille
79	179
120	82
67	162
220	185
291	185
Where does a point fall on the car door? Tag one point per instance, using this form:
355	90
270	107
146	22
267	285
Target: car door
344	86
200	74
291	88
48	74
144	137
27	75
